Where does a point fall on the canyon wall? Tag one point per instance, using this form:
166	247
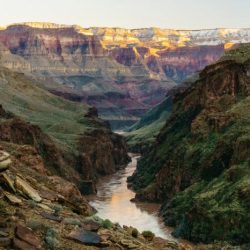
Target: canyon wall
122	72
198	167
69	136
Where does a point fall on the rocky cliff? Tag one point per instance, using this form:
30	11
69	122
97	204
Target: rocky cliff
70	137
126	71
199	165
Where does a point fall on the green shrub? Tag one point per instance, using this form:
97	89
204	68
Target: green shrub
57	209
51	238
134	233
148	235
107	224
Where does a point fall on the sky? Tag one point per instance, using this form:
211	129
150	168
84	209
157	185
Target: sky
176	14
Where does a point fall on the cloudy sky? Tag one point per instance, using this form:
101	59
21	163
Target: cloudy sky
180	14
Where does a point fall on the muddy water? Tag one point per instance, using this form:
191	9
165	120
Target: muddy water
112	201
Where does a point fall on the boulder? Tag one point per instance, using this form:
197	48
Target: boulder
51	217
129	244
4	155
106	235
172	245
5	161
80	207
8	181
48	195
22	245
91	225
26	235
27	190
13	199
85	237
45	207
65	188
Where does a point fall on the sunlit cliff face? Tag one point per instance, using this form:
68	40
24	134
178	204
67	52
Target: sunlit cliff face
167	38
228	46
154	53
155	38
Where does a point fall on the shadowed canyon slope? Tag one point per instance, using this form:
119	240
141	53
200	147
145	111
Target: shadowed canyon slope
198	166
66	134
122	72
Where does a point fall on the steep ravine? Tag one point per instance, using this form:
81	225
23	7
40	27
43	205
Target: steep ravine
72	140
100	152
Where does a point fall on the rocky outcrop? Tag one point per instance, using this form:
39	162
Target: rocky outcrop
18	131
62	218
99	152
188	167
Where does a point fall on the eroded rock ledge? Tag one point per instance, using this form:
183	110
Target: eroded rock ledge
99	151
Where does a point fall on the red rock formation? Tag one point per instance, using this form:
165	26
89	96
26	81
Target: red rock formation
112	68
99	153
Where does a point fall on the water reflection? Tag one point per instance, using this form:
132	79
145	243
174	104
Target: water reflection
113	202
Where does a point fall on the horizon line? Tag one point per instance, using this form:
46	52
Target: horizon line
26	23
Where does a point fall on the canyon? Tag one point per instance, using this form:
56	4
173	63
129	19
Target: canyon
41	208
122	72
46	169
65	89
198	164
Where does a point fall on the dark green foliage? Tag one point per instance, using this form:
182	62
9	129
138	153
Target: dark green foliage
107	224
148	235
51	238
134	233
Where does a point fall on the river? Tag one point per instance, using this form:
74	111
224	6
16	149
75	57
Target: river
112	201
